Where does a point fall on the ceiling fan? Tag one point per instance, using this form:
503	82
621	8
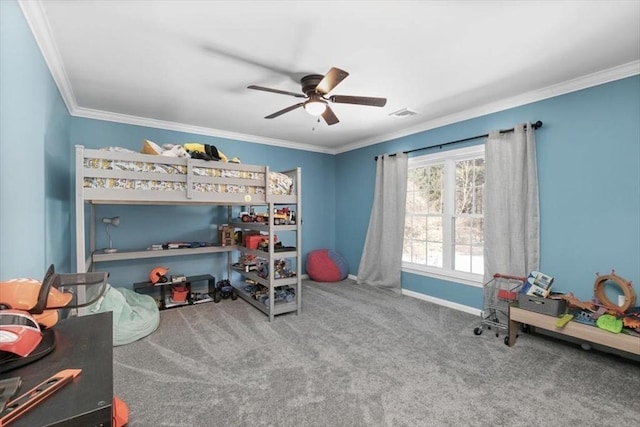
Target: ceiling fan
315	88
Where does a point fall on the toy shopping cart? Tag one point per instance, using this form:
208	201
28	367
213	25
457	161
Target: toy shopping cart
499	292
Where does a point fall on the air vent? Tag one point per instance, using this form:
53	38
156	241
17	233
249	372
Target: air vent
403	113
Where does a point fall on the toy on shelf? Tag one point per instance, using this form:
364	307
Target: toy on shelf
283	216
227	235
282	269
260	293
590	312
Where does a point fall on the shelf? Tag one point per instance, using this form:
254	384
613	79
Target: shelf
170	303
265	281
189	279
265	255
262	226
100	256
207	298
165	290
279	307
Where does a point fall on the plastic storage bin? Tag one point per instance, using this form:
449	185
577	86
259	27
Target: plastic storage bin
548	306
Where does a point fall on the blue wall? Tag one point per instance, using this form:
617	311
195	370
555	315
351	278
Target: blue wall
589	182
143	225
34	156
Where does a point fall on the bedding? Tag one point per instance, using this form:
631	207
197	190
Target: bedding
278	183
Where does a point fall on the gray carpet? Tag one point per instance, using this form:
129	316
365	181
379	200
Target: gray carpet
361	356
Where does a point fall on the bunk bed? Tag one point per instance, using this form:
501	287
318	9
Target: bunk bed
115	175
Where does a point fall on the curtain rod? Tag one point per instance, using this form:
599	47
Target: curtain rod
536	125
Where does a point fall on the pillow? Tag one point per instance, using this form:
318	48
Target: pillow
150	147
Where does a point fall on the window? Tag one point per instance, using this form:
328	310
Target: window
443	234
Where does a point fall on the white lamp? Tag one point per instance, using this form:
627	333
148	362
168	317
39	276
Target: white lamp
315	106
115	221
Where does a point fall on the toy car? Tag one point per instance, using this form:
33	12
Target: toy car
225	290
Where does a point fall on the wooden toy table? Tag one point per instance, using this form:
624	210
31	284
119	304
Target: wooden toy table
581	331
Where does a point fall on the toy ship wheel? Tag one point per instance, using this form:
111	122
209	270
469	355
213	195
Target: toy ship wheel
625	287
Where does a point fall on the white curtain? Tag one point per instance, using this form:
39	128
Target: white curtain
511	211
381	260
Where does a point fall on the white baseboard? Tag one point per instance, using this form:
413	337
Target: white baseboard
442	302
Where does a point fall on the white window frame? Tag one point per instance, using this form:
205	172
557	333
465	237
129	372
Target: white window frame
446	273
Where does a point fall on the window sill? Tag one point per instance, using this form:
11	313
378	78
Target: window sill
468	279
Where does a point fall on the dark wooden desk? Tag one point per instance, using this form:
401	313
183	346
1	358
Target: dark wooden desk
82	343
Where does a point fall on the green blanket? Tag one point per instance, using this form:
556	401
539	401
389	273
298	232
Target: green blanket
134	315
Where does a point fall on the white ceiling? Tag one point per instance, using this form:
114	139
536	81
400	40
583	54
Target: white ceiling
185	65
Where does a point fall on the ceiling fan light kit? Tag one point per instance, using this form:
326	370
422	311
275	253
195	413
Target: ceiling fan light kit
315	87
315	107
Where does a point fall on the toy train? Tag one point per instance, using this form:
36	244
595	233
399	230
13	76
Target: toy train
282	216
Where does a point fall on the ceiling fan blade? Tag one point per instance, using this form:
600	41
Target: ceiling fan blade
282	92
329	116
224	52
286	110
359	100
331	80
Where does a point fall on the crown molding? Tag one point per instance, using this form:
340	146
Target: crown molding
88	113
584	82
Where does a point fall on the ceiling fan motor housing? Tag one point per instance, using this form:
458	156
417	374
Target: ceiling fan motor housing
310	82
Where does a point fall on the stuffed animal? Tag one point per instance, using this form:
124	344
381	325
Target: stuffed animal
173	150
167	150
